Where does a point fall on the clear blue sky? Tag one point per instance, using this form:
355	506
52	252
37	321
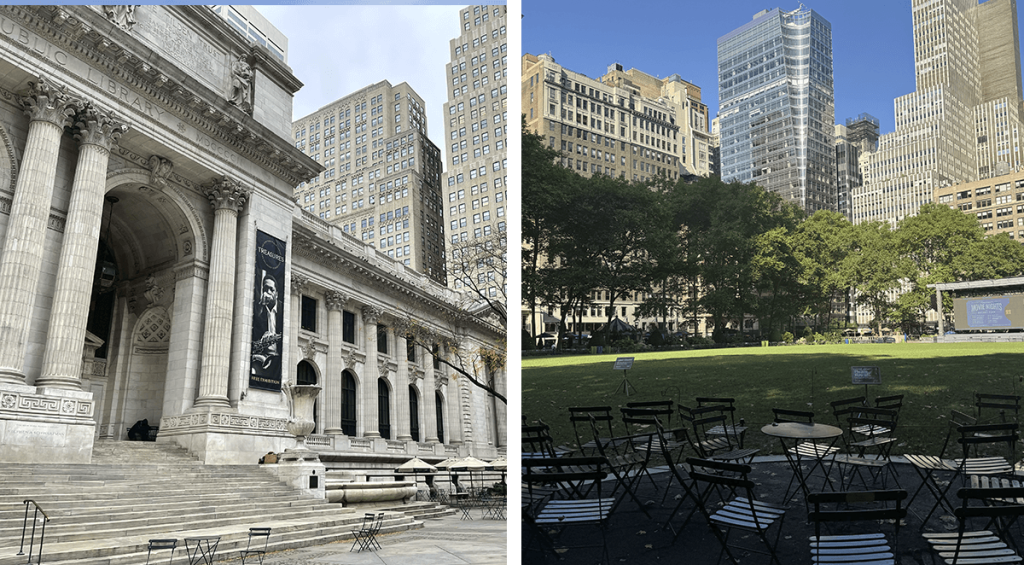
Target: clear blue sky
872	43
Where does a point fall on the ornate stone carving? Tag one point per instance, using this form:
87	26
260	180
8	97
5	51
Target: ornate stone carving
336	300
227	193
154	292
299	283
350	360
241	85
308	351
121	16
371	314
159	170
382	368
96	127
47	102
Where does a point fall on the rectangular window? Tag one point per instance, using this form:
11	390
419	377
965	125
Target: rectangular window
308	321
382	339
348	327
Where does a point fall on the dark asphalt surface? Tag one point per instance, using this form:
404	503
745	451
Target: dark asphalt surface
632	537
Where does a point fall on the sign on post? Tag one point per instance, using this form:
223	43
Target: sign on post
866	375
624	364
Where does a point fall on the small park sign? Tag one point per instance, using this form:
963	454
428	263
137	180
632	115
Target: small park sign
866	375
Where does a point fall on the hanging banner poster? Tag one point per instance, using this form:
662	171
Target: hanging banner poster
267	313
989	312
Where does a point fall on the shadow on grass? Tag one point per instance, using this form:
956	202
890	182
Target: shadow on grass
935	379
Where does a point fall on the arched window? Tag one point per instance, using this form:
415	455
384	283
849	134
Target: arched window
306	374
439	405
414	414
384	408
348	404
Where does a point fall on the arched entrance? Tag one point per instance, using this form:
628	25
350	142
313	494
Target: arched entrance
147	278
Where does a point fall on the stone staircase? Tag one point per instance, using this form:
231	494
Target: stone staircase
106	512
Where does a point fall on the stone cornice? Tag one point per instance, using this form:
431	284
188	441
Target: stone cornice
350	258
85	32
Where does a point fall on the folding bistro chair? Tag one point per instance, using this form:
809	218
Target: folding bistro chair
677	470
158	545
580	417
856	458
725	406
972	546
663	409
641	426
1002	403
721	445
624	462
537	442
549	521
255	551
740	511
929	467
362	534
856	549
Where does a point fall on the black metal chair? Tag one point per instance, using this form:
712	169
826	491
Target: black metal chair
740	511
677	469
726	406
580	416
549	520
1002	403
929	467
973	546
805	450
159	545
624	462
721	444
862	548
856	457
252	551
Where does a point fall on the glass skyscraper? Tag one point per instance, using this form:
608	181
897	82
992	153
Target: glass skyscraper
777	108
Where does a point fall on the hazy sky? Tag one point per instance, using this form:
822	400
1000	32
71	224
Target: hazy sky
336	50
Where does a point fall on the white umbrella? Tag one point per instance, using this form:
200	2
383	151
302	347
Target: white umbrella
500	464
469	464
415	465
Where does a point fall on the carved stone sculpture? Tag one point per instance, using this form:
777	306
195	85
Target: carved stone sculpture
241	85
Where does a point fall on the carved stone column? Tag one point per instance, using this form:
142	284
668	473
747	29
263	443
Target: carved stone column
368	394
21	259
298	288
97	132
402	414
429	400
228	197
332	378
500	409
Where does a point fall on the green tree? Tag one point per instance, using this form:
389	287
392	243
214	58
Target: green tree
875	268
821	245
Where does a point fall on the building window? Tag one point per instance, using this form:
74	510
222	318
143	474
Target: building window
308	321
434	355
414	414
383	409
306	374
348	327
410	349
382	339
439	406
348	404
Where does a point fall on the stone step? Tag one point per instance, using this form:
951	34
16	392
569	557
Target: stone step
132	550
143	508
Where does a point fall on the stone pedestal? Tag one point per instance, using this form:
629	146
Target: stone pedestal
307	476
43	426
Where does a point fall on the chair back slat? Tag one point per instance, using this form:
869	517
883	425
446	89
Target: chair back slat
783	416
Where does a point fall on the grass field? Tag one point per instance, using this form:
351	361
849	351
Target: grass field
935	378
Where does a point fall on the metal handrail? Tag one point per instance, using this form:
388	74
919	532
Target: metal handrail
32	538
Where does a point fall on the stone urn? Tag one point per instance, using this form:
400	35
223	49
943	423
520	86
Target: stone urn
301	423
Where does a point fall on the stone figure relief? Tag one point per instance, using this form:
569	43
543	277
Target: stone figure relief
121	16
159	170
241	85
154	292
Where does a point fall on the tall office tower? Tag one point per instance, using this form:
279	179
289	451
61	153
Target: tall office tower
383	175
963	121
777	108
477	129
853	141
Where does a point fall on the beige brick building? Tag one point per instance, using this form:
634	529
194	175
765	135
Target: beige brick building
476	186
626	124
997	203
382	174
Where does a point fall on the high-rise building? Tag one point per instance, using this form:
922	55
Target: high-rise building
476	171
853	141
963	122
382	174
777	107
251	24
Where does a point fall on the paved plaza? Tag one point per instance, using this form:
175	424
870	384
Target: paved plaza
441	541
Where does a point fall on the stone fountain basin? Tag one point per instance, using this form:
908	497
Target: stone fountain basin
362	492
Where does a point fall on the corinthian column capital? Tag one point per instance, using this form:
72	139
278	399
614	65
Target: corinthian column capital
227	193
47	102
336	300
96	127
299	283
371	314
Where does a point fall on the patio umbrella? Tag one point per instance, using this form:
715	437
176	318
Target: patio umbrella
469	464
415	466
500	464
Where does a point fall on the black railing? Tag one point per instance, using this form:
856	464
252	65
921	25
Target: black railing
32	536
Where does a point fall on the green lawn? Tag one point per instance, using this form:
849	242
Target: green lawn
935	378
